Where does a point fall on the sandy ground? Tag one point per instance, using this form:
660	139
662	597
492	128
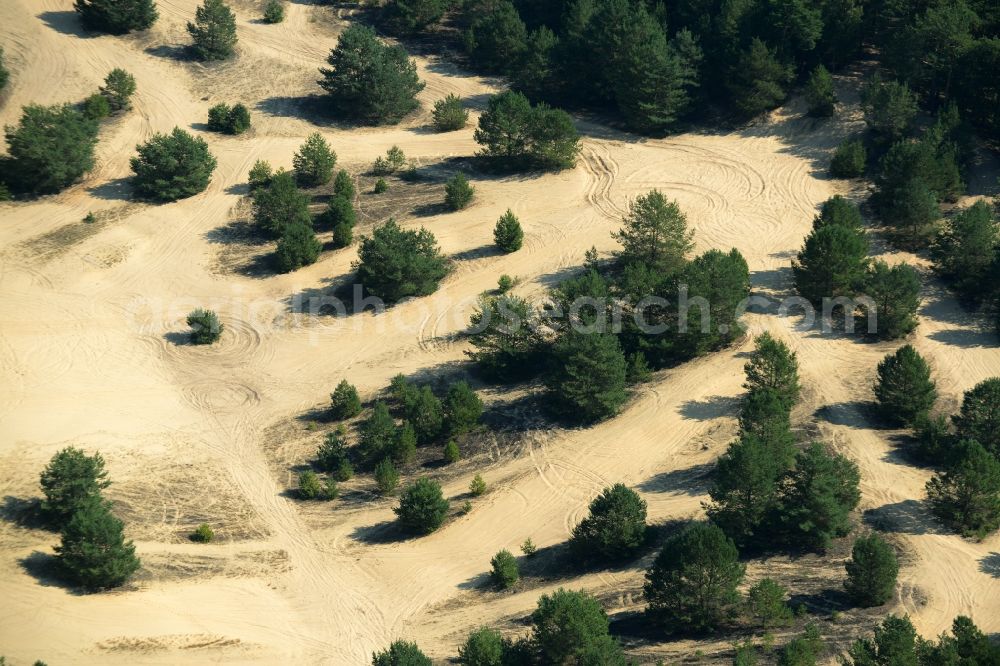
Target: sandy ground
89	356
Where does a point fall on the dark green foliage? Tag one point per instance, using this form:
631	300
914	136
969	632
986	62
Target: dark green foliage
615	528
766	603
274	11
934	440
979	418
517	136
895	297
905	391
507	234
722	279
483	647
572	628
966	645
831	264
401	653
458	192
849	160
451	452
343	186
96	107
93	552
497	38
118	88
692	583
381	186
821	493
894	644
297	247
229	120
394	263
341	217
422	507
838	210
205	326
4	73
478	486
368	80
213	31
586	379
745	491
260	175
462	408
311	487
773	367
172	166
535	76
889	107
803	650
965	251
819	93
450	114
978	87
49	149
966	496
386	477
655	233
344	401
411	16
381	439
116	16
331	457
314	161
203	534
913	178
69	480
280	205
426	413
765	414
759	80
504	571
871	571
507	343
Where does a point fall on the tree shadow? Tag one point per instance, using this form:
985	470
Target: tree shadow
179	338
481	252
693	481
822	602
177	52
906	517
44	568
25	512
119	189
990	565
431	209
965	338
67	23
312	108
237	231
386	532
852	414
712	408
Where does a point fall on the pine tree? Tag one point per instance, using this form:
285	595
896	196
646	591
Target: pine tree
401	653
314	161
979	418
412	16
890	108
483	647
504	570
69	480
344	401
571	628
507	344
50	148
279	205
213	30
462	408
615	527
395	263
831	264
692	583
759	80
497	39
118	88
819	93
655	233
821	493
205	326
297	247
766	602
849	160
905	391
773	367
895	298
871	571
965	251
343	186
895	642
422	506
368	80
116	16
586	382
838	210
93	551
172	166
386	477
507	233
450	114
458	192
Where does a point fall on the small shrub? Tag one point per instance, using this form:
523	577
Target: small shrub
871	571
820	94
380	167
260	175
401	653
239	119
205	326
449	114
458	192
386	477
204	534
96	107
466	507
410	174
504	570
451	452
766	602
849	160
483	647
478	485
218	117
343	185
528	547
615	527
89	218
343	235
274	11
331	457
507	234
344	401
394	160
310	486
505	283
381	187
462	408
297	247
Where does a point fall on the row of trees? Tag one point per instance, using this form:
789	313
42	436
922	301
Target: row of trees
93	552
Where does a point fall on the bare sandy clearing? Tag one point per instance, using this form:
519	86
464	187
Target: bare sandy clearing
89	356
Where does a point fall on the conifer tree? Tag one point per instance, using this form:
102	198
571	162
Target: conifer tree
213	30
